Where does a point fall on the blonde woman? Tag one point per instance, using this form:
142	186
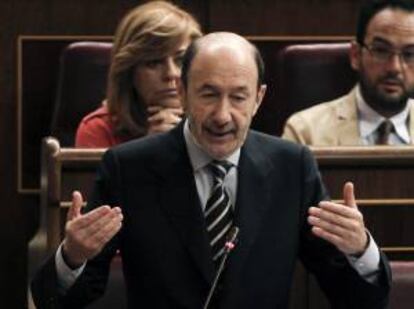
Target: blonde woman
142	93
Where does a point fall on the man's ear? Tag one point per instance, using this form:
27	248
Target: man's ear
355	54
260	95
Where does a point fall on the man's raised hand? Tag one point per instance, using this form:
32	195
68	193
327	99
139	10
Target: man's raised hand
86	234
341	225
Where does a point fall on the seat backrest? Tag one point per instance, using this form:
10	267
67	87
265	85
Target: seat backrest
81	86
308	74
402	295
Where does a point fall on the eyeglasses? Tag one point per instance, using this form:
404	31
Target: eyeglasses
384	54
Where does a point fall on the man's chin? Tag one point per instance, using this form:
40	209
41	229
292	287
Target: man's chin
391	94
392	102
219	152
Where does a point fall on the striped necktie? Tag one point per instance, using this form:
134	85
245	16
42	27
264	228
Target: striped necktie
218	212
384	130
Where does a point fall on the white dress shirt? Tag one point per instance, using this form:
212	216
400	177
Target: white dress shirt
370	120
204	180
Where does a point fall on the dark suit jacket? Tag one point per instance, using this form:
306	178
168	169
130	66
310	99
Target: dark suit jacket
163	243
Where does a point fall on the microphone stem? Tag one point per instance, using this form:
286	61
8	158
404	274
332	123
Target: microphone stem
216	279
228	247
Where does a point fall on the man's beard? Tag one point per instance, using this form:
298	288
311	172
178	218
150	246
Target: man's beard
381	102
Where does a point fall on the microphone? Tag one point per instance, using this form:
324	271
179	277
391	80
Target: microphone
231	241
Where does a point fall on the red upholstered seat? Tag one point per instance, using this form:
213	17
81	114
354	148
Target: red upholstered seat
402	293
308	74
81	86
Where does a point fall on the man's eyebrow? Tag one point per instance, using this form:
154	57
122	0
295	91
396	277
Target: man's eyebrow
241	89
207	87
378	39
386	42
210	87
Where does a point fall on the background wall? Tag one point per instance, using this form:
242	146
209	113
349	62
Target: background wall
19	212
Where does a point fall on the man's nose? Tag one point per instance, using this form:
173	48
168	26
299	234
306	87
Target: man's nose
395	63
222	112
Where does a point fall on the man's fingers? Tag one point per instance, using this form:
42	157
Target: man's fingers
98	224
330	217
348	194
345	229
88	219
76	206
87	234
94	237
330	237
341	225
107	231
338	209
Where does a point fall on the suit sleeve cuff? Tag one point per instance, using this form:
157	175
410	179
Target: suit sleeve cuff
368	264
65	275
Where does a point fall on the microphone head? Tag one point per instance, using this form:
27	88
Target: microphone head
231	238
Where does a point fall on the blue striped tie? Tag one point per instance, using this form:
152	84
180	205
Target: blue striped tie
218	212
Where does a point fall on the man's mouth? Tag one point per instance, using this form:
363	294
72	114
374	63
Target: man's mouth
392	84
219	134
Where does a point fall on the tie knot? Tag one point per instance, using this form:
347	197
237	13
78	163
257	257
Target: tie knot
384	130
220	169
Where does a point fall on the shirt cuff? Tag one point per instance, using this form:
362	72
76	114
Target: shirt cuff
368	264
66	275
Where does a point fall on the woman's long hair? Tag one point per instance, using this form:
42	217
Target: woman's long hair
150	30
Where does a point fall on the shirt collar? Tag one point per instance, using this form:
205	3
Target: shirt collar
369	119
198	157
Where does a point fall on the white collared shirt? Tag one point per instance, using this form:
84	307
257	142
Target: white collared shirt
370	120
200	160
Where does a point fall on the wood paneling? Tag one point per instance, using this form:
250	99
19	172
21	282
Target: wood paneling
272	17
383	189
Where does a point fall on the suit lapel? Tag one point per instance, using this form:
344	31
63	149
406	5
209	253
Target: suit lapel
411	124
252	200
348	131
180	203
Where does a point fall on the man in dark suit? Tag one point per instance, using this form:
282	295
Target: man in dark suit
163	191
